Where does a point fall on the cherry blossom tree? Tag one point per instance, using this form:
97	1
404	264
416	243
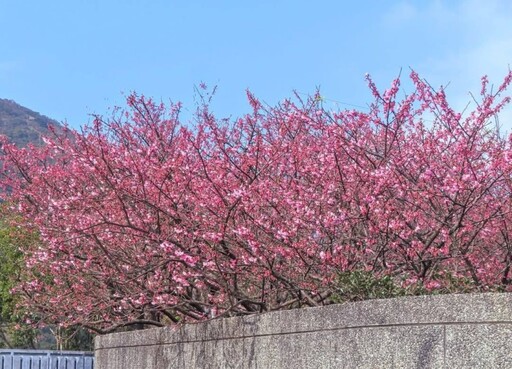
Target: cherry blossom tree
146	221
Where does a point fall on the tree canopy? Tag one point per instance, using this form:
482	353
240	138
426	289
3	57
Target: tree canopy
145	221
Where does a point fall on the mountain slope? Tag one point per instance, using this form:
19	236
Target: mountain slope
21	124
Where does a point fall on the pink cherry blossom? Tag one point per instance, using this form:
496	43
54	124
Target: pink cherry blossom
146	220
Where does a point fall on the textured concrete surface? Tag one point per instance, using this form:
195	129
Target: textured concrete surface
450	331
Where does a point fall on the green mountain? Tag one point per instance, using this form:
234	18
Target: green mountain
23	125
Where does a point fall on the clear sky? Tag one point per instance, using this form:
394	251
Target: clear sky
70	58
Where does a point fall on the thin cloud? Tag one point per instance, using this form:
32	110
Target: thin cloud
401	13
479	37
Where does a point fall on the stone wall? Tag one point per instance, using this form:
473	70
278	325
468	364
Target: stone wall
449	331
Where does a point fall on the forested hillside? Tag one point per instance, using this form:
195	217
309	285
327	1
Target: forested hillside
21	124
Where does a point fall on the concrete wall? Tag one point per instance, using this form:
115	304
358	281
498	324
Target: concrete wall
450	331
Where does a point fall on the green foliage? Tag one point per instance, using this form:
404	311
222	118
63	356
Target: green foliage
14	333
22	336
74	338
361	285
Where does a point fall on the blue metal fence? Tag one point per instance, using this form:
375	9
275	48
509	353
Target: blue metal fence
39	359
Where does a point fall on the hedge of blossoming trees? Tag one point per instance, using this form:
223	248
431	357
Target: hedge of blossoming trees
146	221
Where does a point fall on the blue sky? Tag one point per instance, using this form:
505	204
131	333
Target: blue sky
68	59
